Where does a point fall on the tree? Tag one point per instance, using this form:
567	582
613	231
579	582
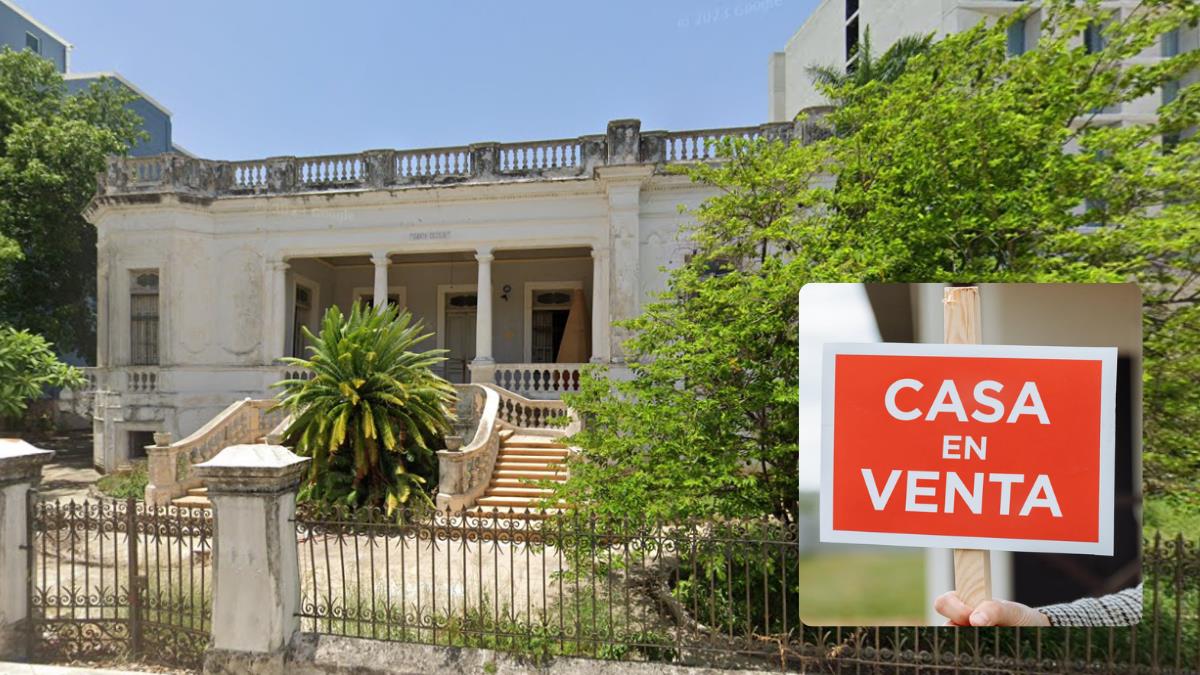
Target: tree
969	166
372	412
839	83
52	145
27	367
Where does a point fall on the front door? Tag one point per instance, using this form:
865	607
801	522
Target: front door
460	335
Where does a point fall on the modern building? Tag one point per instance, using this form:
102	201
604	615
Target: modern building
834	31
19	31
518	257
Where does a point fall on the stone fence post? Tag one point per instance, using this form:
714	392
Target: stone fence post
256	575
20	470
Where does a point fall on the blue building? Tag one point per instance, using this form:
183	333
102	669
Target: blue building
20	31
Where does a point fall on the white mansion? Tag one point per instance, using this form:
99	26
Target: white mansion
517	256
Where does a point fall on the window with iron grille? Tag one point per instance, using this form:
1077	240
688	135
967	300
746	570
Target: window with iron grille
143	318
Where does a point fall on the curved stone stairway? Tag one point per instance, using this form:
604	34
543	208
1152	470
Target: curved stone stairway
522	460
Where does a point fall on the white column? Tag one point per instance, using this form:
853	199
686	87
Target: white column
277	338
624	227
483	367
381	262
102	327
601	323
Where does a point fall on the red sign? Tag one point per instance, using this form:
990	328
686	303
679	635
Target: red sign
969	446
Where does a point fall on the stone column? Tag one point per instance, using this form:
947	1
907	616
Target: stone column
20	470
624	229
483	368
381	261
256	574
102	327
601	323
277	296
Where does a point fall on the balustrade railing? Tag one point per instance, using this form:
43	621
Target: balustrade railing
379	169
697	146
170	464
540	155
141	380
539	380
250	174
432	162
330	170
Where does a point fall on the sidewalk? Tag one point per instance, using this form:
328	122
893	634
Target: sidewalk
9	668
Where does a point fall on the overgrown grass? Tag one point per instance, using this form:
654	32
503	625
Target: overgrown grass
860	588
124	484
1172	513
570	627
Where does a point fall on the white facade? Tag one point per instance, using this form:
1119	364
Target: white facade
822	40
233	242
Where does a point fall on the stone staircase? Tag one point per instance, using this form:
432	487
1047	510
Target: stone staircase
195	498
522	461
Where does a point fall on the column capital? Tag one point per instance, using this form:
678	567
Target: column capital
600	251
380	258
280	265
21	462
484	254
253	469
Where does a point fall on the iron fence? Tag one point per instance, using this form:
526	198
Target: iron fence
116	579
718	594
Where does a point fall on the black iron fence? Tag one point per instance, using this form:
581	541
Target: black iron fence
117	580
721	594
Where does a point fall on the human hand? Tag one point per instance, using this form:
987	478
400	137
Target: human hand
988	613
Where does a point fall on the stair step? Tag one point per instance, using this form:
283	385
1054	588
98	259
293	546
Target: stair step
520	454
198	492
505	433
499	482
522	491
535	452
192	501
503	463
507	501
534	441
531	475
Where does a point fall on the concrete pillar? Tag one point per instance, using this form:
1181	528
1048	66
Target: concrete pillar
256	574
20	470
483	368
625	292
381	262
601	323
102	314
277	339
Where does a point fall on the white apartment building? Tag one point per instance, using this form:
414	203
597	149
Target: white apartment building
832	33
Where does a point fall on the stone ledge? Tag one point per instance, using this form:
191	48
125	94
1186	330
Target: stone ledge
312	654
21	462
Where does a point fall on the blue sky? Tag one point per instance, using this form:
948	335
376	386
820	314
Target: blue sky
253	78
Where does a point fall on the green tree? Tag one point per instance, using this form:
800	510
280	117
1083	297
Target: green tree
839	83
970	166
27	366
52	145
372	411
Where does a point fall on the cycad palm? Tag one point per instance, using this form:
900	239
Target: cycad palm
372	410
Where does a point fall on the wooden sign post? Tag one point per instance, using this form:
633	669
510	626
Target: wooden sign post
962	324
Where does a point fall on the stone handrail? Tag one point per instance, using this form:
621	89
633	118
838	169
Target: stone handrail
623	144
520	412
539	380
170	463
463	474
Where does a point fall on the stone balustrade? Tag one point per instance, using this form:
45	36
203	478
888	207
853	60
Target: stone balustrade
170	463
539	380
623	144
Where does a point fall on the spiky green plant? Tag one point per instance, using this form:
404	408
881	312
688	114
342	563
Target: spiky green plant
372	411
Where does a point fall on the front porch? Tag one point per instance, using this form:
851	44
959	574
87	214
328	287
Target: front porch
523	319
